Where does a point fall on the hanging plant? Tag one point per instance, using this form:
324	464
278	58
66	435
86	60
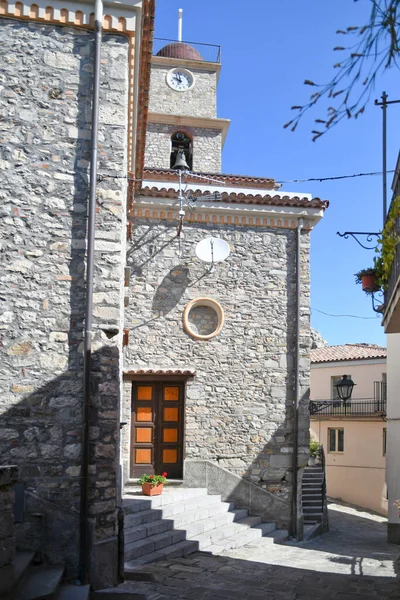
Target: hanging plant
368	280
387	246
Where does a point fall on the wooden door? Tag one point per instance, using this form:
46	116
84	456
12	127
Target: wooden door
157	428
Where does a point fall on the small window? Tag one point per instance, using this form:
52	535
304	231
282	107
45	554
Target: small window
384	440
336	439
181	143
334	380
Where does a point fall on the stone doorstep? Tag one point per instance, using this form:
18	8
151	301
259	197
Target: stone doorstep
138	502
73	592
13	574
40	582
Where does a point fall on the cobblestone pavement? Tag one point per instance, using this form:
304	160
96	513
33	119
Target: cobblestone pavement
351	562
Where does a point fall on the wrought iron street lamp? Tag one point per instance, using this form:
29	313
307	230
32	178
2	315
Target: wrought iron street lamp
345	388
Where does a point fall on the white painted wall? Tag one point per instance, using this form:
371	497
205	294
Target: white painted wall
393	424
363	373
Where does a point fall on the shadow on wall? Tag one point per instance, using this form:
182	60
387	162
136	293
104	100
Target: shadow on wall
49	438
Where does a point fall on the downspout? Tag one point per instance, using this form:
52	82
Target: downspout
84	541
294	521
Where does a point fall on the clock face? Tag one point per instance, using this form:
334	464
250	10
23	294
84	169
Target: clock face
180	80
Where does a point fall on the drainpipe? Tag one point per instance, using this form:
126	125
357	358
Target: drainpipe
84	542
294	522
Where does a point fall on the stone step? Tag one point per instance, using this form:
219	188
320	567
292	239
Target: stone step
198	522
73	592
151	544
177	550
41	582
171	507
169	496
14	574
240	538
311	509
219	534
210	507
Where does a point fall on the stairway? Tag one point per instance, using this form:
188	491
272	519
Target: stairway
26	581
312	494
182	521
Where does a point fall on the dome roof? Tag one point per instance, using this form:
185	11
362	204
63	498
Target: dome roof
180	50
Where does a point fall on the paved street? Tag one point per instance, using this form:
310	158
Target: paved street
351	562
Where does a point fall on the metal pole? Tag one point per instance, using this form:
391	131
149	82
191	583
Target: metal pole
384	168
384	104
295	467
84	542
180	11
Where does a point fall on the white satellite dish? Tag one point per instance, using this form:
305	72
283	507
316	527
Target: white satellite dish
212	250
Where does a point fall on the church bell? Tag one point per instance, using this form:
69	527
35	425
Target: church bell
180	163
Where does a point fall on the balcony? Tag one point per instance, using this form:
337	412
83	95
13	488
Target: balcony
201	52
391	317
357	407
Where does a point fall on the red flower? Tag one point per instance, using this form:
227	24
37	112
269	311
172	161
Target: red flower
164	474
151	476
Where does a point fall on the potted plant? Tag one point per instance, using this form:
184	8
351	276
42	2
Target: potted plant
314	451
152	485
368	280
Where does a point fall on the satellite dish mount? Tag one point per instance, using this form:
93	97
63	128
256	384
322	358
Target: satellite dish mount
212	250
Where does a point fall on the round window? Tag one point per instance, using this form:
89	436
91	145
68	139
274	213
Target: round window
203	318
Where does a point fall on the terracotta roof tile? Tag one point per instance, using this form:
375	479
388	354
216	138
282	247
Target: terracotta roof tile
347	352
186	372
241	198
231	180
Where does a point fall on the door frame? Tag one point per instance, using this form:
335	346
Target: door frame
156	378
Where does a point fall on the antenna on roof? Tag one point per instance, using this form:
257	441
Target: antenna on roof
180	11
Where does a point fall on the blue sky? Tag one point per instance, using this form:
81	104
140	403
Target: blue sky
268	50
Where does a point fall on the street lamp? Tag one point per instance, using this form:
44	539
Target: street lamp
345	388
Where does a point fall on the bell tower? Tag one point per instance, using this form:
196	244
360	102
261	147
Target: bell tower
182	115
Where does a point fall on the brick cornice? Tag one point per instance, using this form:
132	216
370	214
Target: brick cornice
118	17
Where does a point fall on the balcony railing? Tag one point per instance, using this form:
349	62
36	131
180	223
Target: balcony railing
205	52
360	407
395	271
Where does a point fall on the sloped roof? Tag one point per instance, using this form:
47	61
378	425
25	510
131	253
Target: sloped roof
278	199
347	352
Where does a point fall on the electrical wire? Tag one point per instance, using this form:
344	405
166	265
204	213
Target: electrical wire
348	316
320	179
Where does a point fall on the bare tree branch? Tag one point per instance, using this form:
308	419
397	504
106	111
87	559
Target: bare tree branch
375	49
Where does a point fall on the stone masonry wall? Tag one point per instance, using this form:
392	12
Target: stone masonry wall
207	147
238	407
44	162
199	101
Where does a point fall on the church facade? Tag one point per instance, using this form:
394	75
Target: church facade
212	374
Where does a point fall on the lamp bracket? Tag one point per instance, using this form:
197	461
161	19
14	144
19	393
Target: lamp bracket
369	235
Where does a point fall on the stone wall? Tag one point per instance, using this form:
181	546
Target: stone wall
46	111
207	146
238	407
199	101
8	476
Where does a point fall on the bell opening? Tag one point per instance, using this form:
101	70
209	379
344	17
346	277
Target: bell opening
181	152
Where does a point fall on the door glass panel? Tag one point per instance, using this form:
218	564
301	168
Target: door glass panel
170	435
143	413
340	440
171	393
170	456
143	455
143	434
332	440
170	414
145	392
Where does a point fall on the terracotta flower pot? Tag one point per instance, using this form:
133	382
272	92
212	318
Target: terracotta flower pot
368	283
152	490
